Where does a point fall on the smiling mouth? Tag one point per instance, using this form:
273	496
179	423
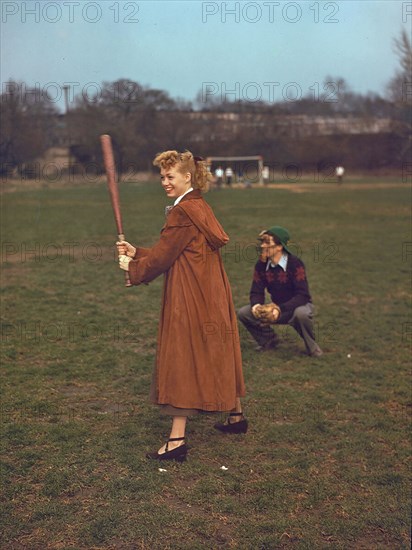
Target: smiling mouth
168	189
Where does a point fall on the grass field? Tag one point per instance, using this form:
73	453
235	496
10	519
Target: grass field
325	463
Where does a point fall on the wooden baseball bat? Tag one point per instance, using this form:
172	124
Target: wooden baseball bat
110	168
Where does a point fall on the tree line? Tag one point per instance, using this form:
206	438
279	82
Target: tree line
143	121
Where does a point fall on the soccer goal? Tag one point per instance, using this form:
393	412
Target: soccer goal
245	169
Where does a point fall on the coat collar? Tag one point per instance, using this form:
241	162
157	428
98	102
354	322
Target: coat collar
190	190
195	194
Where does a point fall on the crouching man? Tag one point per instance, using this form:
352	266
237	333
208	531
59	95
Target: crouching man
283	275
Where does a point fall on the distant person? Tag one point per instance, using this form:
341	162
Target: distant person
229	175
265	175
247	183
219	176
339	171
283	275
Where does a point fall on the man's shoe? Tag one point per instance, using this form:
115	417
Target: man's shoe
229	427
270	345
316	353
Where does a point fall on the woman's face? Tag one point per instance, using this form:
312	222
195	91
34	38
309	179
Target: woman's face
174	182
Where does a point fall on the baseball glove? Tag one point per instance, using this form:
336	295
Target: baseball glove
267	314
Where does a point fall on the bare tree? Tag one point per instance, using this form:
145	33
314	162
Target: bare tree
27	116
399	87
127	111
400	94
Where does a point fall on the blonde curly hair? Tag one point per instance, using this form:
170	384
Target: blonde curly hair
186	162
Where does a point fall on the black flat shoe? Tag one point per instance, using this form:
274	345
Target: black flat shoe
179	453
229	427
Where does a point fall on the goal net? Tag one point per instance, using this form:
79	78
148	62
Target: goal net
245	169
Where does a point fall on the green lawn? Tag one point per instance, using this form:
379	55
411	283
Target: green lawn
325	463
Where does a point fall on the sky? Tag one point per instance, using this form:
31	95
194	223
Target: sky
271	50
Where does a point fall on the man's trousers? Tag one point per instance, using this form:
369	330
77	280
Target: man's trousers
301	319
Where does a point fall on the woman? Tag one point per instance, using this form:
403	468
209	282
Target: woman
198	360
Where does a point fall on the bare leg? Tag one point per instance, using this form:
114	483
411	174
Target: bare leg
235	422
178	430
234	417
238	406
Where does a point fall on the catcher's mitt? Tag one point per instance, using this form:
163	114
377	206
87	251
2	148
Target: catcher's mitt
267	314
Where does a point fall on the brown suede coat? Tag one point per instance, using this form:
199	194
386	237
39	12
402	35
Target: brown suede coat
198	360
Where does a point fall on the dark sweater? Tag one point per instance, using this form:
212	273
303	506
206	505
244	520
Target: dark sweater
287	289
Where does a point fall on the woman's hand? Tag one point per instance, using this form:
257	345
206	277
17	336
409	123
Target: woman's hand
124	262
125	249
